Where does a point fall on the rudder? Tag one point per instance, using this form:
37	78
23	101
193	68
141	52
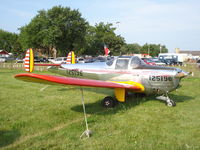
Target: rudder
29	60
71	58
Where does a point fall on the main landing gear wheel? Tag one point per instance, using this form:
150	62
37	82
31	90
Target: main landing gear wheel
171	103
108	102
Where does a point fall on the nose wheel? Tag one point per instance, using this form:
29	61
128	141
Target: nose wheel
109	102
170	103
167	100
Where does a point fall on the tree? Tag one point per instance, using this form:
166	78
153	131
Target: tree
9	42
102	34
58	28
153	49
131	48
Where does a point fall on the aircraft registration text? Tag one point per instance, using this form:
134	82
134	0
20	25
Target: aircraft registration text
74	72
160	78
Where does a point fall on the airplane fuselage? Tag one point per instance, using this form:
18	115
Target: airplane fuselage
155	79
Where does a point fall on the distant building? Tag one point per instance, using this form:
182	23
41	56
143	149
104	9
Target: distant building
4	53
193	54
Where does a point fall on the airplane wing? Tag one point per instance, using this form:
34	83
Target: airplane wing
50	79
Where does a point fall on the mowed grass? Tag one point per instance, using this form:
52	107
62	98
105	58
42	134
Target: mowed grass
34	116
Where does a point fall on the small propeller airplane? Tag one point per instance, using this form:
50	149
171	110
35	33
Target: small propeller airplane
123	74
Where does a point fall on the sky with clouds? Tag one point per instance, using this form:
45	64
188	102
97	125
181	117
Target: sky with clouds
174	23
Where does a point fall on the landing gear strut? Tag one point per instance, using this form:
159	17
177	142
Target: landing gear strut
109	102
167	100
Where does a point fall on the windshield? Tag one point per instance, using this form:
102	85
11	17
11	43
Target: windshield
136	62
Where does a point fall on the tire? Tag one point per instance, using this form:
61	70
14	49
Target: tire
171	103
108	102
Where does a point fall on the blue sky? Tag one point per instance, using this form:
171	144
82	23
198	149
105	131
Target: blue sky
174	23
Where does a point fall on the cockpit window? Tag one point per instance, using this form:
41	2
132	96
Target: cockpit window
136	62
122	64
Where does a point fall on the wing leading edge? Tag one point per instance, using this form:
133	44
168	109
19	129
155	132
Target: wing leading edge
50	79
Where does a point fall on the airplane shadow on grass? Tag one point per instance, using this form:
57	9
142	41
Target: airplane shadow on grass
180	98
8	137
97	108
132	101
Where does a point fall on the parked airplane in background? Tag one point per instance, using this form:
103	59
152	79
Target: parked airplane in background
123	74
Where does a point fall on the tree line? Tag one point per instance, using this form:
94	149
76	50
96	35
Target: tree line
61	29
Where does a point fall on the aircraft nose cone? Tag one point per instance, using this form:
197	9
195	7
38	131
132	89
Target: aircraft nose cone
182	74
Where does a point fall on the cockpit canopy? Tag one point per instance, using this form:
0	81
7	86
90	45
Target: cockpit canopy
126	62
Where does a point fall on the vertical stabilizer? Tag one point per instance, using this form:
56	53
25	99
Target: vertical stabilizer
71	58
29	60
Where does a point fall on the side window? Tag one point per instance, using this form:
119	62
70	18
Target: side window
122	64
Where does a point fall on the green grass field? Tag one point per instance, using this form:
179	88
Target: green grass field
33	116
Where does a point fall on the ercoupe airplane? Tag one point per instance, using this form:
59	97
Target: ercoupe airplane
123	74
